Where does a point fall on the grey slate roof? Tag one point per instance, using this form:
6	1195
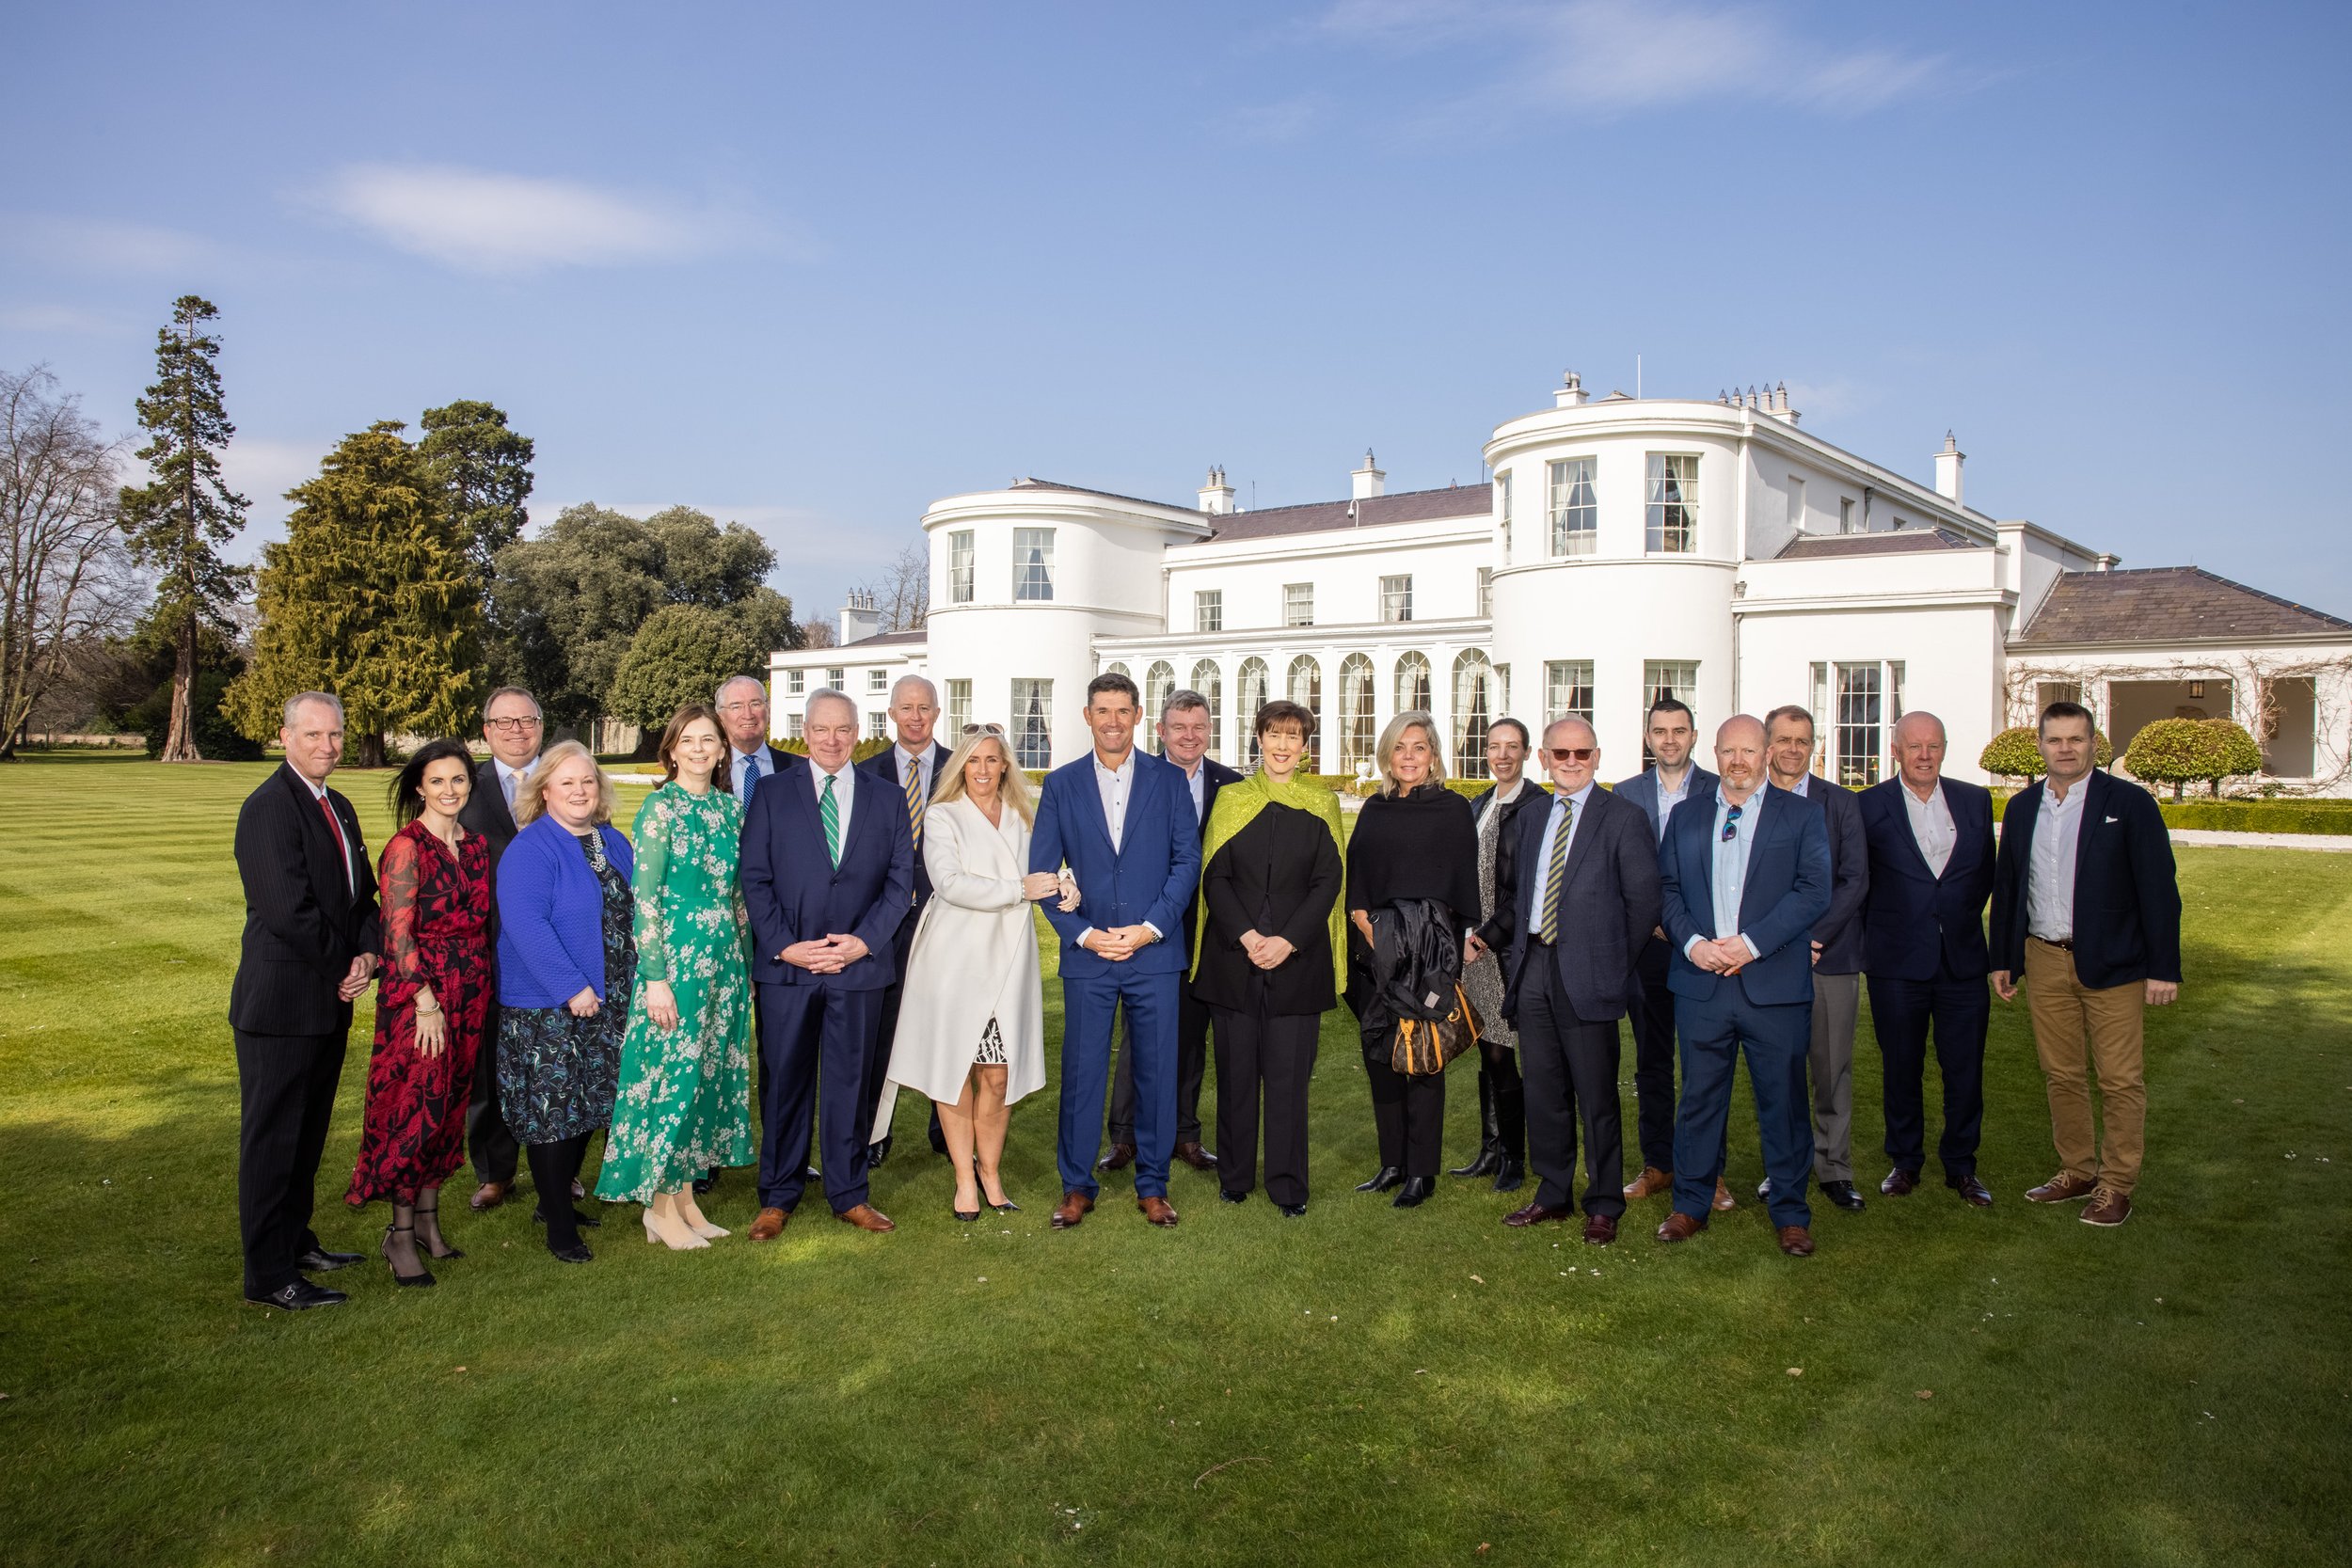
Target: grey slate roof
1905	541
1408	506
886	640
2167	604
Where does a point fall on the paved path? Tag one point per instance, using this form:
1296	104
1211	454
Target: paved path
2339	844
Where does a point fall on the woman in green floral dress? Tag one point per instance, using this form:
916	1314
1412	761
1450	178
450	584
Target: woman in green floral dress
685	1100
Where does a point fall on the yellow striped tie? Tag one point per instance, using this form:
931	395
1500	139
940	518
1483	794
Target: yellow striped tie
915	800
1555	872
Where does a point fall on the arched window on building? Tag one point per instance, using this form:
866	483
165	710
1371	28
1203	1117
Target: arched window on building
1357	732
1117	667
1304	686
1412	683
1477	696
1158	681
1209	683
1249	695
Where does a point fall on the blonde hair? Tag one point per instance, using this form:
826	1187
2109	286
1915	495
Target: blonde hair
1393	735
1015	788
529	807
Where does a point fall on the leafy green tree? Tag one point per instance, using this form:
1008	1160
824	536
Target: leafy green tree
482	472
679	656
2176	751
2017	753
2236	751
370	597
177	523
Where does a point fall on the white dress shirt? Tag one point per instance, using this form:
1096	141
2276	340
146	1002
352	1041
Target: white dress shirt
2050	873
1731	867
750	768
1582	798
1115	786
1932	826
844	794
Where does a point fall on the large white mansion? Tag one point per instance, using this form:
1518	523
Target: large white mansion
1625	547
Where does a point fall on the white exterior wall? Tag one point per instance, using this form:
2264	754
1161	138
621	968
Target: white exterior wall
1345	567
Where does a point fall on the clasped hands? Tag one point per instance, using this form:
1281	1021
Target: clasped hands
1728	955
828	956
1266	952
1118	943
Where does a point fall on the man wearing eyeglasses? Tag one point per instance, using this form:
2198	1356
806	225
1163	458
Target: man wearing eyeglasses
515	729
1744	876
742	704
911	768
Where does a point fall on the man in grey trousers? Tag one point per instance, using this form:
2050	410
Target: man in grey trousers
1837	953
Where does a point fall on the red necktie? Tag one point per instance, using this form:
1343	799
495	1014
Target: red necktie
340	842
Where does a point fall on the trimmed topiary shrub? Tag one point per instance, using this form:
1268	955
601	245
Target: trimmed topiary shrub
2016	753
2178	752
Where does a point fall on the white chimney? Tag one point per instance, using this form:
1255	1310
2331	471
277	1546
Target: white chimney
859	620
1947	463
1368	479
1216	496
1570	393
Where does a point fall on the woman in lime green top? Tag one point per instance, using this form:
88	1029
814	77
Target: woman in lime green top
685	1100
1270	954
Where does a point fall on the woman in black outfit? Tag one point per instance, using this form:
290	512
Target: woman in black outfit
1414	840
1265	965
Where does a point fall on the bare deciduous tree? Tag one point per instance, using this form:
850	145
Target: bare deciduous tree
65	577
902	594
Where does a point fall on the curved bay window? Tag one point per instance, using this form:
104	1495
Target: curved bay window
1304	686
1210	681
1158	682
1476	697
1249	695
1357	733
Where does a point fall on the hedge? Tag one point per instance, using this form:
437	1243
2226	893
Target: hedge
2244	817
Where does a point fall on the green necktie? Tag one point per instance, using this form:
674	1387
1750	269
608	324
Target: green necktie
1555	872
915	800
829	811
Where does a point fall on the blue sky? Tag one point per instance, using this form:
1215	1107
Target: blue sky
812	266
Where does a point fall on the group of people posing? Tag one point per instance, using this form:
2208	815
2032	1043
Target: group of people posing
853	929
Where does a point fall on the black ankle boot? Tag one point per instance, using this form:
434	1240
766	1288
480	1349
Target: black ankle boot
1490	1142
1386	1176
1415	1192
1510	1174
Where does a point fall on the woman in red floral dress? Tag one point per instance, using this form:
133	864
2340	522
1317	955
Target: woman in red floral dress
434	998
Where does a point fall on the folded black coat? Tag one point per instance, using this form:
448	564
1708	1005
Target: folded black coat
1415	961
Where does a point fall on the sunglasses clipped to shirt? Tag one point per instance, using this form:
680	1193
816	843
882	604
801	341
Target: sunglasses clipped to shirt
1731	824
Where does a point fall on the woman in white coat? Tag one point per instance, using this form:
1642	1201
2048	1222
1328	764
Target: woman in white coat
971	1017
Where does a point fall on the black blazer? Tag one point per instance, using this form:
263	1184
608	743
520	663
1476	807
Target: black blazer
1278	876
883	765
1609	904
1495	930
1911	917
1839	932
2127	902
485	811
304	921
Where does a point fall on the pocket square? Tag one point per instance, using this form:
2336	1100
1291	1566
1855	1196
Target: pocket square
2115	819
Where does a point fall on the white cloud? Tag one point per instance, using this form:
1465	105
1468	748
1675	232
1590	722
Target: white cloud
478	220
79	244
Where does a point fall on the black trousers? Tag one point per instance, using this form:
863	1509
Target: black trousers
1651	1017
1570	1069
1409	1113
1957	1011
490	1144
1274	1053
286	1097
1192	1060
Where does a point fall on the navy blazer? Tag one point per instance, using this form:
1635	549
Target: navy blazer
305	919
883	765
1839	932
550	923
1642	789
1912	918
1149	880
485	811
793	893
2127	900
1609	901
1787	891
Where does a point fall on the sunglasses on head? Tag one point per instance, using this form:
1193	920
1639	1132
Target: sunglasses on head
984	729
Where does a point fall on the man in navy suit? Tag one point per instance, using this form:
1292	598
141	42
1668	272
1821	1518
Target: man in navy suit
828	876
1931	843
1581	902
2086	911
1183	728
1121	821
1649	1003
911	768
742	704
1744	876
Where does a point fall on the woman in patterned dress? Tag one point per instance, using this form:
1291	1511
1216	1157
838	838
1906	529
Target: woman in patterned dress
566	949
432	1000
685	1100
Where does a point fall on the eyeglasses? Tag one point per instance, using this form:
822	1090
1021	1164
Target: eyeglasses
1731	824
984	729
511	726
1573	753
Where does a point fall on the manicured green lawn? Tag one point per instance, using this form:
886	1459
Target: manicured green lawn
1364	1386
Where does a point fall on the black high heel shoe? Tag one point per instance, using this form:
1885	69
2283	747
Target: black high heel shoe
436	1212
419	1279
966	1216
1386	1176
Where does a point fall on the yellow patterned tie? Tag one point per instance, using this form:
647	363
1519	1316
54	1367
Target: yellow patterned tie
1555	872
915	800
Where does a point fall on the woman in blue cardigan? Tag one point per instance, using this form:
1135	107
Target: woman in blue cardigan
567	947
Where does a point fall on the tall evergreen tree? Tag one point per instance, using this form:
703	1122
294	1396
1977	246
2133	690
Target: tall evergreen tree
178	522
370	597
482	472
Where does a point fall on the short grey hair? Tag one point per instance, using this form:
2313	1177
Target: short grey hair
824	694
1186	699
1791	710
522	691
719	698
904	681
294	704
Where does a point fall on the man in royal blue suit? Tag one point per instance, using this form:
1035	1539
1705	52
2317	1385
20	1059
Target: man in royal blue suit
828	876
1923	953
1122	820
1743	876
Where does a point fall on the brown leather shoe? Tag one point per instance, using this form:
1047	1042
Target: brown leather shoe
1120	1158
1073	1207
1900	1183
1680	1227
1196	1157
1972	1192
1724	1202
1796	1240
2108	1207
489	1195
1535	1213
2062	1188
769	1224
1158	1211
865	1217
1599	1229
1650	1183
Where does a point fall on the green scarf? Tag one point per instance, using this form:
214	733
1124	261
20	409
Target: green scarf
1237	806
